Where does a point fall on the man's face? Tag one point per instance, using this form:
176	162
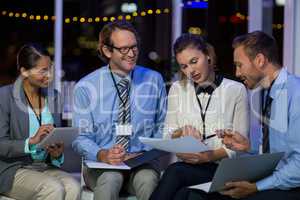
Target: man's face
246	69
124	52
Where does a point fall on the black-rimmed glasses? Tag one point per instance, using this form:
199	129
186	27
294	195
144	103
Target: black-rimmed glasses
125	50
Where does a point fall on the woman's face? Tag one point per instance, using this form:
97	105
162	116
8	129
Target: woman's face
194	64
41	74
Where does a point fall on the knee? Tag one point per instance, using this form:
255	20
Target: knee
144	183
146	179
52	187
110	179
72	188
175	170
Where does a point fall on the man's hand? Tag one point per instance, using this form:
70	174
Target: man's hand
113	156
196	158
131	155
239	189
42	132
55	150
191	131
234	140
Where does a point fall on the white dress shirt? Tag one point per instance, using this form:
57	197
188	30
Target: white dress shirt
228	109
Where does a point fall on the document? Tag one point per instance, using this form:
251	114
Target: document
145	157
186	144
204	187
101	165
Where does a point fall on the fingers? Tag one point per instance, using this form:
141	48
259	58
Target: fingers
193	158
222	133
43	131
131	155
117	149
116	155
47	128
230	189
191	131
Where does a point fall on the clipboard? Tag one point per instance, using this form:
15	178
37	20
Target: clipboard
129	164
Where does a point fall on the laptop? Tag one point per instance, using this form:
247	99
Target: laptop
248	168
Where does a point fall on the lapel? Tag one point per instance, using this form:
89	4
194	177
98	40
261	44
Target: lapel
21	107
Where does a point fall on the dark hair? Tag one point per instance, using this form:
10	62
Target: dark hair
106	32
258	42
29	54
188	40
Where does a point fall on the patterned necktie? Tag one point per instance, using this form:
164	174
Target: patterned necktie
124	111
266	114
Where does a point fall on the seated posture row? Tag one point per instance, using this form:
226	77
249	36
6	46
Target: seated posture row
118	103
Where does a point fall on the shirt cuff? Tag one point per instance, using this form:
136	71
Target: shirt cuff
266	183
59	161
230	153
29	147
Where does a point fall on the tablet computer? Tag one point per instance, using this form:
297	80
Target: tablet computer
248	168
65	134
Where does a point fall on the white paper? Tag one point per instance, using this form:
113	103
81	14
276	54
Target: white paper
101	165
186	144
204	187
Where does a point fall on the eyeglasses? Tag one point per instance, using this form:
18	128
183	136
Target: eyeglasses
125	50
44	71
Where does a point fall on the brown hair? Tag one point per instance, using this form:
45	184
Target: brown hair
106	32
258	42
188	40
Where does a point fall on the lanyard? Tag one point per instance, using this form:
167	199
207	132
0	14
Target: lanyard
203	114
118	91
38	117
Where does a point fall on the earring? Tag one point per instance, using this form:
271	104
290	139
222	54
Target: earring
208	60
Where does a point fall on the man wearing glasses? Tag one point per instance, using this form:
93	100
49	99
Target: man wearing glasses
115	105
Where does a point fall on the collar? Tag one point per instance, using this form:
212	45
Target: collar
118	78
209	89
279	83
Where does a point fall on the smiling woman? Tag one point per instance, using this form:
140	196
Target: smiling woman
29	111
34	64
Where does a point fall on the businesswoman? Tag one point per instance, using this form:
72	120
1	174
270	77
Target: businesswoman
29	111
198	104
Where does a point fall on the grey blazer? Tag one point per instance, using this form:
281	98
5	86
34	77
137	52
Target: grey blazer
14	129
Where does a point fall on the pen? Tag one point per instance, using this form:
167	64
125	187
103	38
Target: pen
210	136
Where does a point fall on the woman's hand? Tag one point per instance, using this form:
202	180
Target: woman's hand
42	132
196	158
55	150
189	130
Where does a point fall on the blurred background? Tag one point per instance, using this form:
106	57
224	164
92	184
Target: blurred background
70	28
157	21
